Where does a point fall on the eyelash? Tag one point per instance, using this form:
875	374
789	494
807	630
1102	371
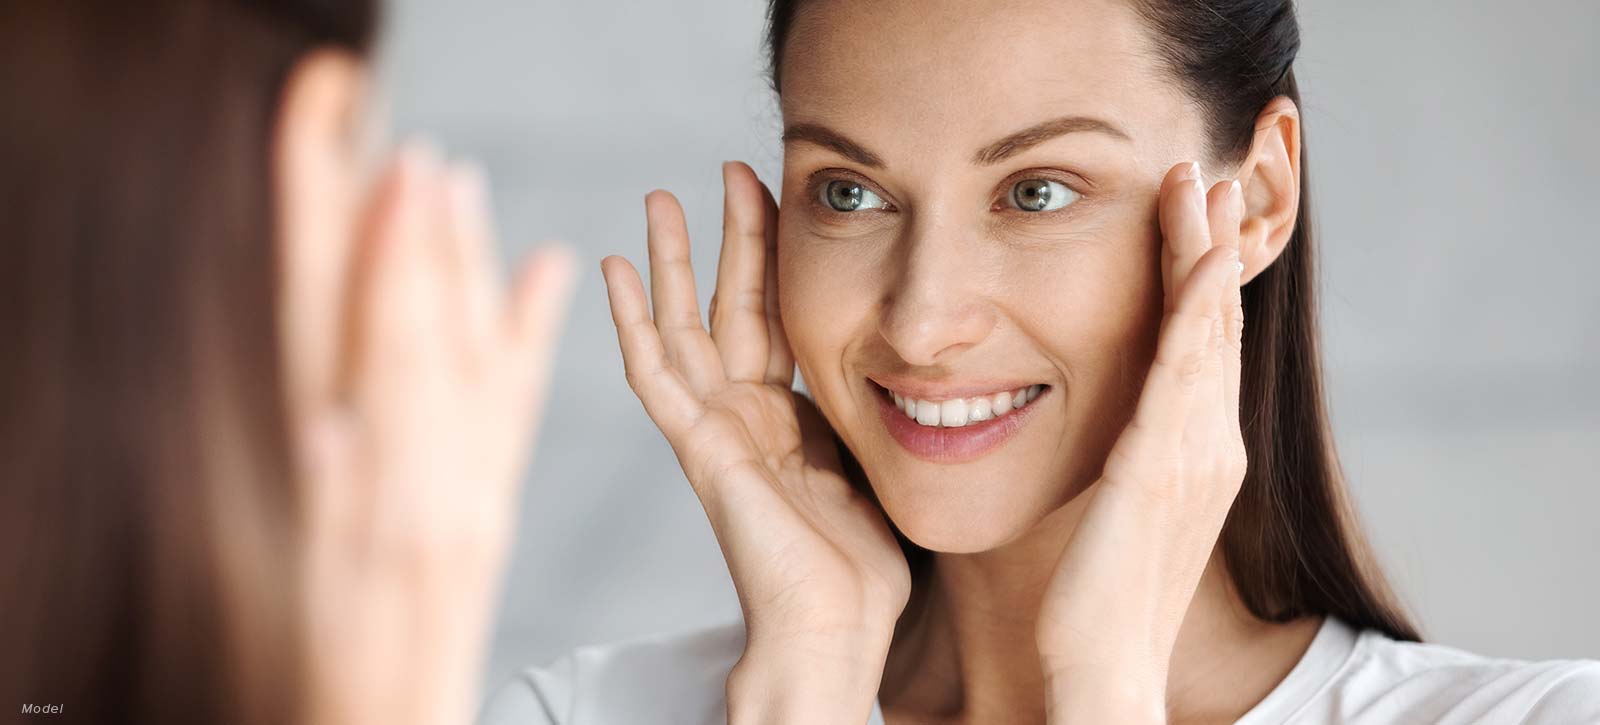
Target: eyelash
822	177
1002	203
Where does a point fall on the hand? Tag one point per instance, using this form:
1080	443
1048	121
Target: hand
1111	613
819	575
414	389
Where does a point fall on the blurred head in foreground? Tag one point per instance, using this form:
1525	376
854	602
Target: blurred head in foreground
150	155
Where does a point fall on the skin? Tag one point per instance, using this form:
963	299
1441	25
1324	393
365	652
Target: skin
1076	576
414	385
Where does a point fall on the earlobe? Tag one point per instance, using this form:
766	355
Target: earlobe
1270	176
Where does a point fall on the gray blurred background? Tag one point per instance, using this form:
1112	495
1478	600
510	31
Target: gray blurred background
1456	167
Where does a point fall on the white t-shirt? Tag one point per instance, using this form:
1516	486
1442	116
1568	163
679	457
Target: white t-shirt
1345	676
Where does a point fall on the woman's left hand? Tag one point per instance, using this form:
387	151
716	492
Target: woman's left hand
1111	613
416	383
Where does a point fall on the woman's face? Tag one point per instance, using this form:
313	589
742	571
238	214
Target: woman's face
969	210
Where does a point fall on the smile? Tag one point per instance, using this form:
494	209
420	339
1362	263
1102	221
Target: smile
957	412
953	428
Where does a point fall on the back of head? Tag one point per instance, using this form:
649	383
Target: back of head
146	505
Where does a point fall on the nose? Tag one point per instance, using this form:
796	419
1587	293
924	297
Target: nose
937	306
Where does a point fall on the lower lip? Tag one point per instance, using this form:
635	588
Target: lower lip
951	445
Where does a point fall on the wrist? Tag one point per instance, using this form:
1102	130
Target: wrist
797	681
1104	693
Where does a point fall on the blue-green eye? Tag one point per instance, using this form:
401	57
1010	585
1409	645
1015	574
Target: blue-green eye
848	196
1041	195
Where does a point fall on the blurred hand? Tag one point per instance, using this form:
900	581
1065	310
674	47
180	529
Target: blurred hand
1111	614
819	575
415	389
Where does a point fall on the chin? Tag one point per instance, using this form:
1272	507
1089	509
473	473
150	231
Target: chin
956	514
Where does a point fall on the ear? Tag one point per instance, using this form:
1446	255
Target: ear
317	188
1270	177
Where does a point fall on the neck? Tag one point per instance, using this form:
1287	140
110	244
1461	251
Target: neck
966	651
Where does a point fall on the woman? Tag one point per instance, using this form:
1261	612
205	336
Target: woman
1046	271
262	402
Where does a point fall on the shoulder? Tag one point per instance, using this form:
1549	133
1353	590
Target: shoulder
676	678
1389	681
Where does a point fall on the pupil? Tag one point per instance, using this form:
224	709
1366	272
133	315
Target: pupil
1035	195
846	197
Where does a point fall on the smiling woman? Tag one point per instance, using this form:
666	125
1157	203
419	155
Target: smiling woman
1046	271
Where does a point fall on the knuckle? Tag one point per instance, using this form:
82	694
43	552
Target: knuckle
1188	368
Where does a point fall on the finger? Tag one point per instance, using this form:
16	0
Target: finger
738	308
475	279
1224	209
1185	231
780	360
538	312
1225	205
665	395
395	298
1233	349
1185	353
676	306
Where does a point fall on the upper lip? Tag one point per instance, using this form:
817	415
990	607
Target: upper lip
947	390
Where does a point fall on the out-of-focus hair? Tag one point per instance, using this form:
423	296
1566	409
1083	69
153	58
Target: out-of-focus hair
147	512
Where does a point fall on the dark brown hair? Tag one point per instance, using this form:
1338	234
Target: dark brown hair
146	507
1292	542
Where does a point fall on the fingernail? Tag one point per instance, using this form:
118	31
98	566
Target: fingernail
1236	198
1191	171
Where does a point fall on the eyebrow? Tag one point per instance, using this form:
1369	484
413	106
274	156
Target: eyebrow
832	140
994	153
1041	132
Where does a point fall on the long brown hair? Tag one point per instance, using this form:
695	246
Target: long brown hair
1292	542
146	507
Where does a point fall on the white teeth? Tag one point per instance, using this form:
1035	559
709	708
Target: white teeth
953	413
963	411
982	409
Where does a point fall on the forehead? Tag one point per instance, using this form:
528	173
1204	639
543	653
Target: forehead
929	72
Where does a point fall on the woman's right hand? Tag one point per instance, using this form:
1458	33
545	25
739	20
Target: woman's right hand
818	572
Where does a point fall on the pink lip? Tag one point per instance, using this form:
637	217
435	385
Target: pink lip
951	445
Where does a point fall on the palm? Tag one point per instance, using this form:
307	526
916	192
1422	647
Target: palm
804	547
814	527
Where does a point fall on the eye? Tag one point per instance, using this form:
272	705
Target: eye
1041	195
847	196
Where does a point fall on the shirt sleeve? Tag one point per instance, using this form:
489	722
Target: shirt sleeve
541	696
1572	698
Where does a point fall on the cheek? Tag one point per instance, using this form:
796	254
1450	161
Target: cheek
1096	313
824	296
1096	303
